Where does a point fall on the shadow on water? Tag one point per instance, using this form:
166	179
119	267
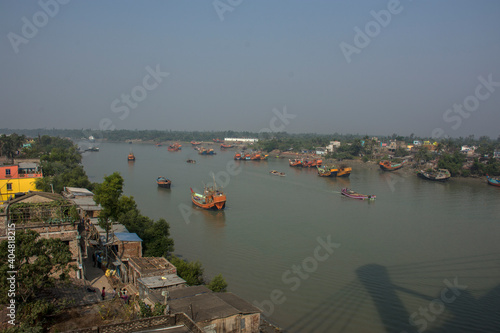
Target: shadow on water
461	311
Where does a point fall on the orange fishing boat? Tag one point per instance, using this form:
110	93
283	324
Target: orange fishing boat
295	163
389	166
131	157
237	156
195	143
174	147
212	198
224	146
311	164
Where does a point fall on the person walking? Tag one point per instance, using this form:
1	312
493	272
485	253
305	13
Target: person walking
103	293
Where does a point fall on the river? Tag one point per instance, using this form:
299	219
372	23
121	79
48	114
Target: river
423	256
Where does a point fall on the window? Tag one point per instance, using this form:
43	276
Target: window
7	172
9	187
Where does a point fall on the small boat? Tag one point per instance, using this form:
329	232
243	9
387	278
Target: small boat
277	173
224	146
333	171
436	175
295	163
191	161
212	198
93	148
195	143
237	156
389	166
174	147
355	195
163	182
131	157
217	140
204	151
246	157
493	181
158	144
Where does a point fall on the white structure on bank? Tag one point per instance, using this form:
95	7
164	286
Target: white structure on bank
241	140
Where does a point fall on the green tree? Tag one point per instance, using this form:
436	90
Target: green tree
107	194
218	284
191	271
40	264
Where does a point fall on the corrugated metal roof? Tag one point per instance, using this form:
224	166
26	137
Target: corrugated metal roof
127	237
79	191
161	281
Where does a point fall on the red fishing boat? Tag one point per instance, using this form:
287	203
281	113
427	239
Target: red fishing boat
493	181
224	146
389	166
163	182
212	198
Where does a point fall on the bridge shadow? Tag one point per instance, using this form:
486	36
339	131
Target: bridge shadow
380	287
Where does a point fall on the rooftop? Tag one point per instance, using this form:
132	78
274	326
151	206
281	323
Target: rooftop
76	191
150	264
167	280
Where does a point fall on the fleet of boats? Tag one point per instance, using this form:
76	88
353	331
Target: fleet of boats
214	198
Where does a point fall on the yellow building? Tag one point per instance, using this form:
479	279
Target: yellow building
17	179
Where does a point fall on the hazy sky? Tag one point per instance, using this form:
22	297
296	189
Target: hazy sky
367	67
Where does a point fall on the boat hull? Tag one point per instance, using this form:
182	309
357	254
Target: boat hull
388	166
354	195
434	177
215	202
492	181
164	184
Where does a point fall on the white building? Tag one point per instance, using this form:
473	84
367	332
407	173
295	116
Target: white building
241	140
332	146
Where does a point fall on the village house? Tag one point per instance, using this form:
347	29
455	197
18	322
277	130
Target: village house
51	216
16	180
332	146
215	312
84	200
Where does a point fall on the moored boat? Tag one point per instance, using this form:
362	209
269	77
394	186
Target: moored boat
493	181
389	166
355	195
277	173
295	162
224	146
195	143
174	147
436	175
191	161
131	157
204	151
212	198
163	182
324	171
237	156
311	163
333	171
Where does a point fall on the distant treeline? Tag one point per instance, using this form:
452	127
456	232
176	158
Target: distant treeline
168	135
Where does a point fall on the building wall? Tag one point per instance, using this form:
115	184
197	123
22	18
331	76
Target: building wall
233	324
129	249
19	182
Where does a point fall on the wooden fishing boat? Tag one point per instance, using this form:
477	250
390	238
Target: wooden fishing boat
355	195
204	151
277	173
131	157
324	171
435	175
195	143
237	156
311	163
212	198
493	181
224	146
389	166
163	182
246	157
333	171
191	161
295	162
174	147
